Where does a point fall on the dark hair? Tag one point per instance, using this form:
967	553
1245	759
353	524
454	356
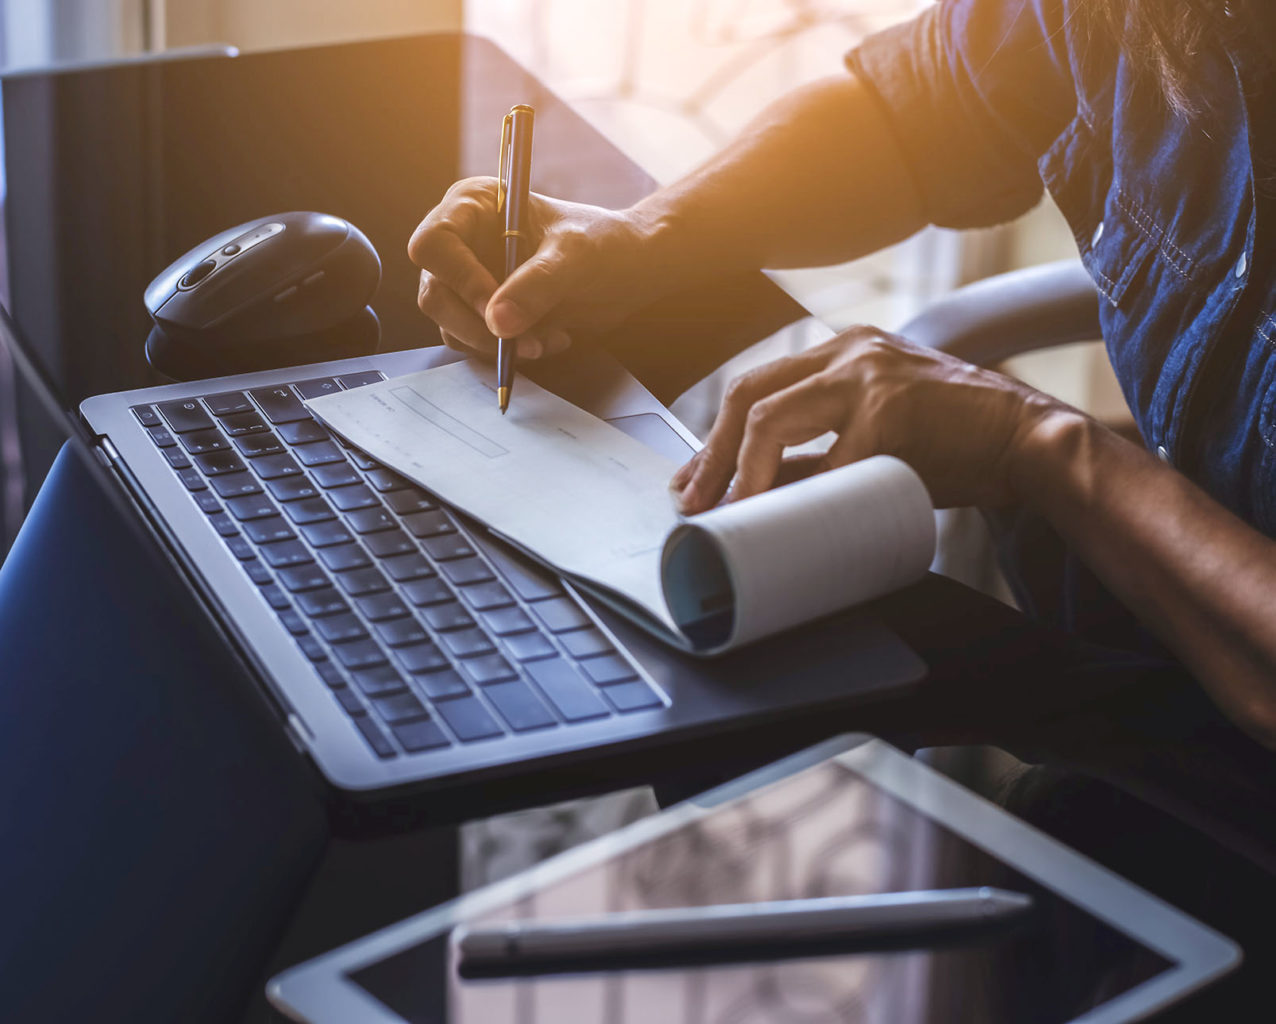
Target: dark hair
1162	37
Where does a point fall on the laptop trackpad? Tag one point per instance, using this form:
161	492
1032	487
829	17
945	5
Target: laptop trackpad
651	429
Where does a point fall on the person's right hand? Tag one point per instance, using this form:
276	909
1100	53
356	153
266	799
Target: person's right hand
586	269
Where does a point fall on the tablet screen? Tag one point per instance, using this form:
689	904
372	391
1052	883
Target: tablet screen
826	831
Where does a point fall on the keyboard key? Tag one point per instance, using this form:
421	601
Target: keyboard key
529	647
311	648
317	603
508	621
257	572
146	415
162	438
340	629
361	459
191	478
244	423
560	614
349	498
390	543
375	737
443	686
308	510
252	506
484	596
530	582
587	643
349	700
448	547
279	404
412	566
291	488
185	414
380	681
357	380
468	718
207	502
217	463
223	524
487	669
400	707
240	548
303	432
325	534
370	520
232	485
319	453
362	581
341	557
269	531
331	675
316	386
467	570
635	696
403	502
567	689
252	446
176	458
383	480
401	632
335	474
293	622
228	402
425	657
611	668
358	654
519	706
424	592
275	597
420	735
428	524
201	442
300	578
288	553
378	607
451	615
466	643
270	467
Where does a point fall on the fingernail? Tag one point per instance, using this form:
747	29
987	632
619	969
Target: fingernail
681	475
504	319
684	501
529	348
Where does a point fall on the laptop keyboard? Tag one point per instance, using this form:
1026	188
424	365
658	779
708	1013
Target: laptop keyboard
423	640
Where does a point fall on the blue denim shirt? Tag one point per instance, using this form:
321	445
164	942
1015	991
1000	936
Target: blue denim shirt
992	99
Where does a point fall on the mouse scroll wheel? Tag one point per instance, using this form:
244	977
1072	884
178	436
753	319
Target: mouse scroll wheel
197	273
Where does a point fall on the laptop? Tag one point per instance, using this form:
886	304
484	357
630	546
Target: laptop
399	643
850	817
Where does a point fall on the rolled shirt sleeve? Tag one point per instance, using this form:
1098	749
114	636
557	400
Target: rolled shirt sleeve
975	91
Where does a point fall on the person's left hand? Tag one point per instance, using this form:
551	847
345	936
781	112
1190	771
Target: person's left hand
960	427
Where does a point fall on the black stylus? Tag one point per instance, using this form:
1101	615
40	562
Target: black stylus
736	931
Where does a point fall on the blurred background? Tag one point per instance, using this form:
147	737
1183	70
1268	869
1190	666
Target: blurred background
668	81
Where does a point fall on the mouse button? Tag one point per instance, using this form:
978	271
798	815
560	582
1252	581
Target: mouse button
197	273
252	237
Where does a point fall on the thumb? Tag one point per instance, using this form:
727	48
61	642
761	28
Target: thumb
530	293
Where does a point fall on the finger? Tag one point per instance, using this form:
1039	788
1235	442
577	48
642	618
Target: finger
448	258
797	414
533	291
799	467
447	241
704	480
442	305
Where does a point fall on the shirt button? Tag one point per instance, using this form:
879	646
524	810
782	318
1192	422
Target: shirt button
1098	233
1163	453
1241	264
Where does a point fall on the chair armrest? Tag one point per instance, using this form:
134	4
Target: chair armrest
1003	316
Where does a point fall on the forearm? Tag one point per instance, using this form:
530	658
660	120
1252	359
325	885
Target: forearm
817	178
1200	578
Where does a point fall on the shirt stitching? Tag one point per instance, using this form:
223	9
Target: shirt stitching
1172	253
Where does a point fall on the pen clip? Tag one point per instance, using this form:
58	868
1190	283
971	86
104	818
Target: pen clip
503	174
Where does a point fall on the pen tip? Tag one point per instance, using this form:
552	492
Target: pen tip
503	399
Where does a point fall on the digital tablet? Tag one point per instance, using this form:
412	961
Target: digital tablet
852	816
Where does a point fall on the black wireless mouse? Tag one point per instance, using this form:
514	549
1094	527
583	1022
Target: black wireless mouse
285	289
